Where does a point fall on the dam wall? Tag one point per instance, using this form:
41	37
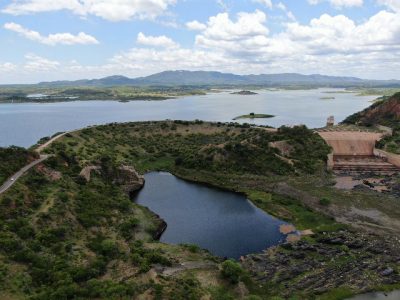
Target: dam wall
391	158
355	143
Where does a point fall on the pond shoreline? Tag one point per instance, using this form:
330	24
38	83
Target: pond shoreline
198	218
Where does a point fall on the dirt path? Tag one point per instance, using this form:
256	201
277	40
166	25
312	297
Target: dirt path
187	266
49	142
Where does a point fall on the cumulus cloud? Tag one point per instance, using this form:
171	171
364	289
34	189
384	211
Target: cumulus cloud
339	34
242	35
37	63
112	10
195	25
7	67
288	13
391	4
52	39
267	3
155	41
339	3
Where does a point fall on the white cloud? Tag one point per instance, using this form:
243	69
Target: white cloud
392	4
267	3
195	25
37	63
52	39
249	28
339	3
7	67
155	41
288	13
339	34
112	10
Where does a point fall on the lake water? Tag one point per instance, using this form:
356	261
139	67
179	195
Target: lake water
395	295
225	223
24	124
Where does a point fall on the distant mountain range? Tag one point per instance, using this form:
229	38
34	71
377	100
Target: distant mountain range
210	79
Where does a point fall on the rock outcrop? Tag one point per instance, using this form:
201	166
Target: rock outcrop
129	180
125	176
87	172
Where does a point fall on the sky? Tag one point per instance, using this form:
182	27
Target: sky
46	40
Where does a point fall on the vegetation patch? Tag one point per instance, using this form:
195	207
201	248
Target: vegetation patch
254	116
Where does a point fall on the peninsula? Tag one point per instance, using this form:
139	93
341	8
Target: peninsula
71	216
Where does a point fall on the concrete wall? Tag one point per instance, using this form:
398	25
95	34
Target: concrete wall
351	142
394	159
330	163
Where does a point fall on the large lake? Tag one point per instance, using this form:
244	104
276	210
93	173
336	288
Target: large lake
225	223
394	295
24	124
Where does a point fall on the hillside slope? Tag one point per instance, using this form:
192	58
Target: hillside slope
384	112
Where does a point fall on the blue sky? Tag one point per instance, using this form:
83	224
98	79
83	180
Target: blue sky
74	39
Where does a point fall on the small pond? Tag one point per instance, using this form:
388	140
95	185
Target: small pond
225	223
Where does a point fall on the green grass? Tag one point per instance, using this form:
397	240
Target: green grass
337	294
293	211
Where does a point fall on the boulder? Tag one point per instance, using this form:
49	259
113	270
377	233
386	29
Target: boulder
387	272
129	179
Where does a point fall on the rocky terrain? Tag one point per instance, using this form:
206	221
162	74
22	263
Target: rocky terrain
329	261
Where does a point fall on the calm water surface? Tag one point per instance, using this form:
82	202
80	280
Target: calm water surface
225	223
395	295
24	124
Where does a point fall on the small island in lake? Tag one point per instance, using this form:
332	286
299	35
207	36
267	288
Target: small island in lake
254	116
244	93
327	98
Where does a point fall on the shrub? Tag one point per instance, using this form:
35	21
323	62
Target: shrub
231	270
324	202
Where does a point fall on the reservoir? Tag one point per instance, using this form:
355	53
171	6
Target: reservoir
394	295
24	124
225	223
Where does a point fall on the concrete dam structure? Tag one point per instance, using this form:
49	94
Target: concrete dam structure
354	152
351	143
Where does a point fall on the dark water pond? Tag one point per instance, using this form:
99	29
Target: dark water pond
225	223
